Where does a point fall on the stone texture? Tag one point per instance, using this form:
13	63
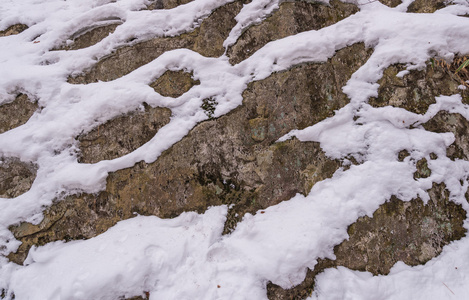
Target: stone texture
444	121
426	6
416	90
122	135
391	3
14	29
16	113
291	18
410	232
206	40
89	37
174	84
16	177
229	160
166	4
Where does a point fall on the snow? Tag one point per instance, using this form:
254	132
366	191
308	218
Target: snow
188	257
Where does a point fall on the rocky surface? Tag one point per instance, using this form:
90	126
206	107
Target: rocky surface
89	36
234	159
122	135
206	40
16	113
174	84
291	18
230	160
14	29
426	6
16	177
416	90
411	232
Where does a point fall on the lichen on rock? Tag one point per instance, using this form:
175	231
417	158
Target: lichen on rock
16	113
122	135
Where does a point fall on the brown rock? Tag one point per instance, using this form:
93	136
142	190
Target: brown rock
410	232
14	29
206	40
90	36
122	135
16	113
16	177
291	18
174	84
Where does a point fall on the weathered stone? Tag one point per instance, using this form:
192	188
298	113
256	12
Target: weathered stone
402	155
14	29
16	177
90	36
416	90
423	171
411	232
122	135
426	6
167	4
391	3
16	113
206	40
219	161
444	121
291	18
174	84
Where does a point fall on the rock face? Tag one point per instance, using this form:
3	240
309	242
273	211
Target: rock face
90	36
291	18
16	113
16	177
235	159
229	160
14	29
122	135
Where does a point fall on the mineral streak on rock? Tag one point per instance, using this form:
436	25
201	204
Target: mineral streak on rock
411	232
16	113
291	18
16	176
206	40
14	29
122	135
228	160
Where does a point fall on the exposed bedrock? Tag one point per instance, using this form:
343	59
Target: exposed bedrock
229	160
16	113
14	29
411	232
16	176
